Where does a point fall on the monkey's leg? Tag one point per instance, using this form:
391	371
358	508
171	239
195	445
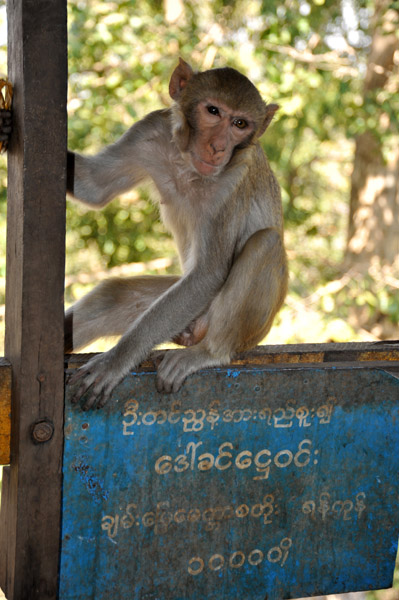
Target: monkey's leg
111	308
240	315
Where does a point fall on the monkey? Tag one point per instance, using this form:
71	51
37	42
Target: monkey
221	201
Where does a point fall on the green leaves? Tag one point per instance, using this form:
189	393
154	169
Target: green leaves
300	54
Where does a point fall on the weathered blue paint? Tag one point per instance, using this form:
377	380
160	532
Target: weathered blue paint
262	483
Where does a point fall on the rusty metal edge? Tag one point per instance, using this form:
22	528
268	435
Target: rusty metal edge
288	353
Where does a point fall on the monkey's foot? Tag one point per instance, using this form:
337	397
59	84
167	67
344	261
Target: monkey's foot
101	375
179	364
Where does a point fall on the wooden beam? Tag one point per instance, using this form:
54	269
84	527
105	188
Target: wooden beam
37	67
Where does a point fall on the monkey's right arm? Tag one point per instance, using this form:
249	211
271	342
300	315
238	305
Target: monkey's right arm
5	128
96	180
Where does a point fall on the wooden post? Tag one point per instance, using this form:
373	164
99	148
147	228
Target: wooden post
30	519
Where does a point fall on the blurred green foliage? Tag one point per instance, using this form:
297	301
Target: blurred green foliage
310	57
121	55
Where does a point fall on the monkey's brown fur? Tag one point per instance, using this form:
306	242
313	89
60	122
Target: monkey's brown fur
221	201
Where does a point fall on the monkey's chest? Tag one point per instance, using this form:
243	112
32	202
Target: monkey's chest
179	219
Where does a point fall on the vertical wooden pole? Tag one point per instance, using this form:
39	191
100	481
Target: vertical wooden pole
37	35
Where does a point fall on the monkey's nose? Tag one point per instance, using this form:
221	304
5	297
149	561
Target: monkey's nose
217	148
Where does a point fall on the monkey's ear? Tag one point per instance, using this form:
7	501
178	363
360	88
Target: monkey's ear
180	76
270	110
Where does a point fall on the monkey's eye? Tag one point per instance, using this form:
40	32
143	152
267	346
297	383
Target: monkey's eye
213	110
240	123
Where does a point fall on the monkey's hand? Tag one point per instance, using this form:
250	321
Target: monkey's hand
100	375
5	128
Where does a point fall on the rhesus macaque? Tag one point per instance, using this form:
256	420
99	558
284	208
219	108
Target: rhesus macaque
221	201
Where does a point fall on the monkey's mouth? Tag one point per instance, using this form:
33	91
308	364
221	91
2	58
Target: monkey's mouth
204	167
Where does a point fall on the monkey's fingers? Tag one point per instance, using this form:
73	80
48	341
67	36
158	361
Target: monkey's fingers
157	357
90	401
101	391
88	371
102	401
82	389
172	371
86	379
101	377
75	376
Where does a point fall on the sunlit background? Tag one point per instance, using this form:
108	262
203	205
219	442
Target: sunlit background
333	69
332	66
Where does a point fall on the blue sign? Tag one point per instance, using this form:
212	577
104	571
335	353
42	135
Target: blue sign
257	483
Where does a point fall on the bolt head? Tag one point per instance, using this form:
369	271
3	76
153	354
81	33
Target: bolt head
42	431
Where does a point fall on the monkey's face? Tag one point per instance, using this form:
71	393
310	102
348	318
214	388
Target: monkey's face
217	131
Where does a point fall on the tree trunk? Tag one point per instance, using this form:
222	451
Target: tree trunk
374	204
